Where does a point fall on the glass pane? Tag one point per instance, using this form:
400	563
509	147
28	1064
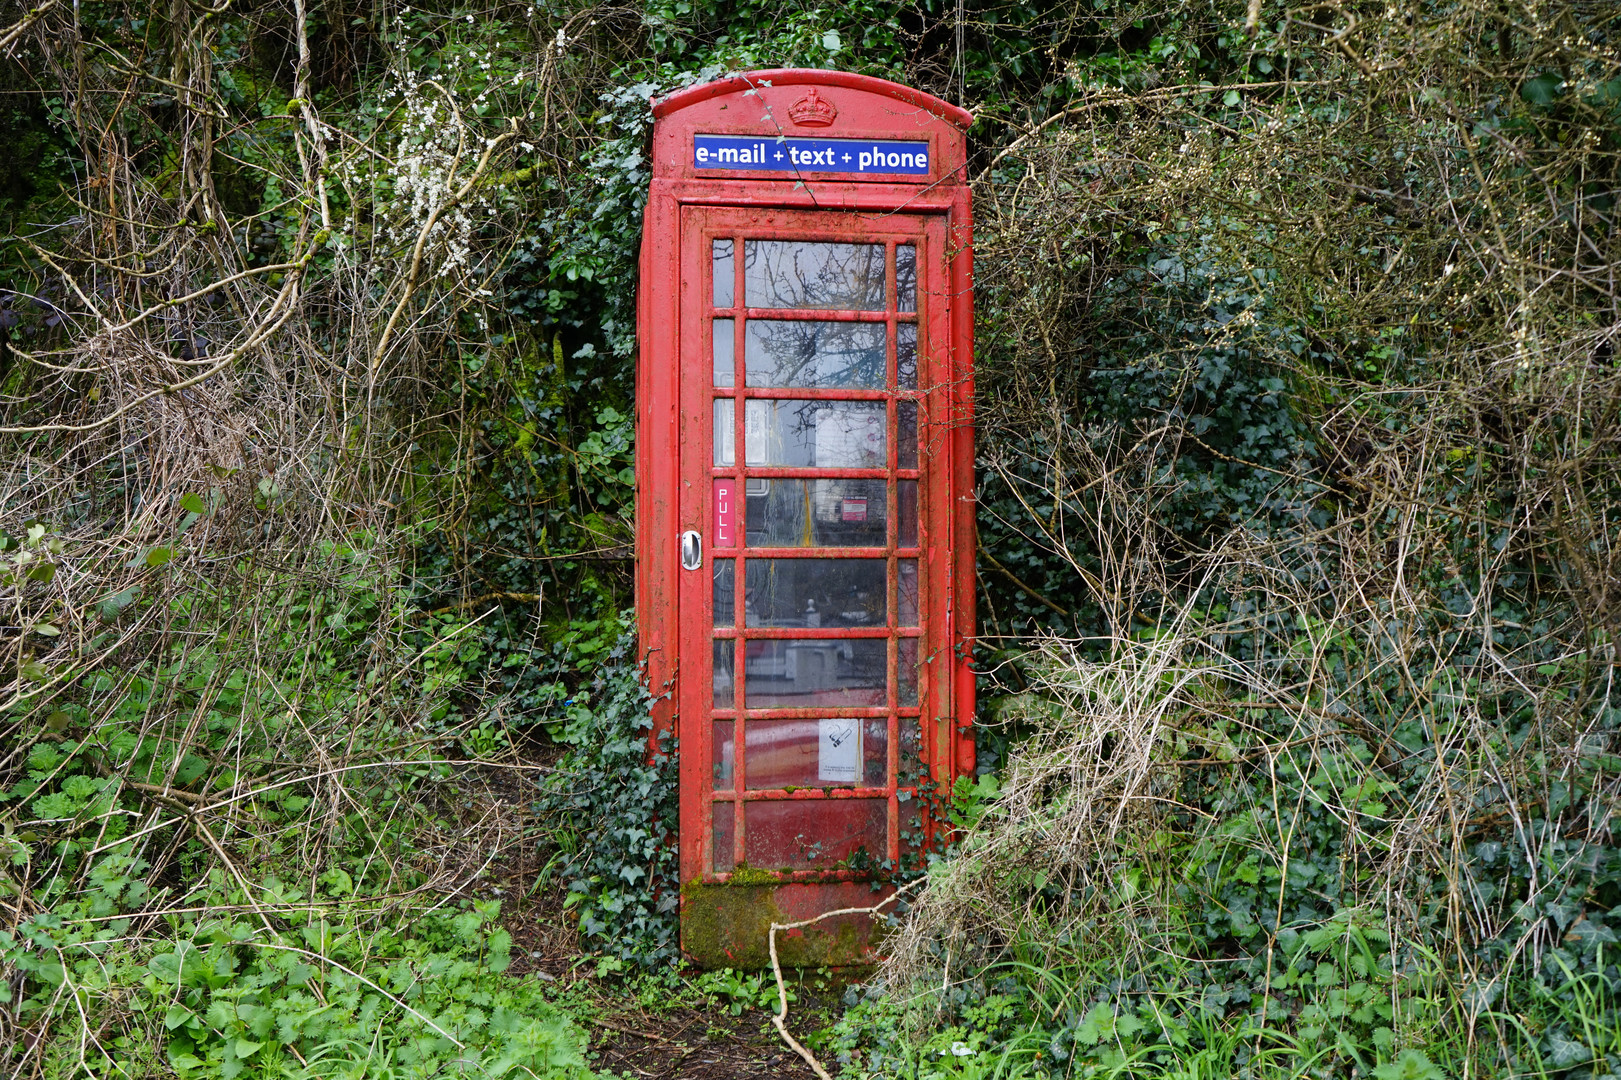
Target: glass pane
816	513
905	356
905	277
725	349
722	756
825	355
723	836
824	752
816	434
725	277
725	433
913	838
724	609
814	834
906	437
906	677
910	766
824	673
906	594
906	512
875	752
722	676
816	592
801	274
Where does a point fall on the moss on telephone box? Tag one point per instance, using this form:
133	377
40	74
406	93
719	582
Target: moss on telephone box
729	926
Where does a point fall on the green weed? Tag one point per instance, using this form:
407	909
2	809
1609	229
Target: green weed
286	988
737	991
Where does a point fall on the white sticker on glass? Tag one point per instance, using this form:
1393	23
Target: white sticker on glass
838	751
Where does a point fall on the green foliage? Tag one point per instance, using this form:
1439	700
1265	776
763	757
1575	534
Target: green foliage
135	798
1243	914
971	799
1051	1015
1267	282
738	991
1193	423
613	804
303	989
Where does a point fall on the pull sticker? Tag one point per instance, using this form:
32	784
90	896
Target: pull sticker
725	514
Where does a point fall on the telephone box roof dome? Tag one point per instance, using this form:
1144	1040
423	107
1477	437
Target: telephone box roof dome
748	80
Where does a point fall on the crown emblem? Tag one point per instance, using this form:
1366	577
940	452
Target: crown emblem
812	111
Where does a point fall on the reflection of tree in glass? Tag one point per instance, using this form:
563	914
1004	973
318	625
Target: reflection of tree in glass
850	435
800	274
820	354
816	592
905	278
906	356
722	254
803	430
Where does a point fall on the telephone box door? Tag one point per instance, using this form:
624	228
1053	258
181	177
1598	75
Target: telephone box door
813	599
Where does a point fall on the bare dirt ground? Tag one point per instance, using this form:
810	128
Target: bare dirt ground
630	1040
700	1044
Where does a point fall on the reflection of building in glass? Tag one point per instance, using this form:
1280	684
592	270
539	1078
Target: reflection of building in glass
816	513
816	592
814	434
823	672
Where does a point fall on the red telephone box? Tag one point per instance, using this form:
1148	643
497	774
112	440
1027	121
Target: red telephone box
805	502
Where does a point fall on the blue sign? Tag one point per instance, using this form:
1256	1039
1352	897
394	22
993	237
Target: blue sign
797	155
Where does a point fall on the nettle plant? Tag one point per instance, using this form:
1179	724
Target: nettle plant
27	566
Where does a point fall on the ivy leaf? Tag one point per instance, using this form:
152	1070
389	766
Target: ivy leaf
110	608
1542	89
337	882
1566	1051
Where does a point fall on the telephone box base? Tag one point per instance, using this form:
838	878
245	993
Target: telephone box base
728	926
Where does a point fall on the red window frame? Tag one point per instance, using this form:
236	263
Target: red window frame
701	226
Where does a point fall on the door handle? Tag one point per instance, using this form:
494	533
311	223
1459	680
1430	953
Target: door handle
692	550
